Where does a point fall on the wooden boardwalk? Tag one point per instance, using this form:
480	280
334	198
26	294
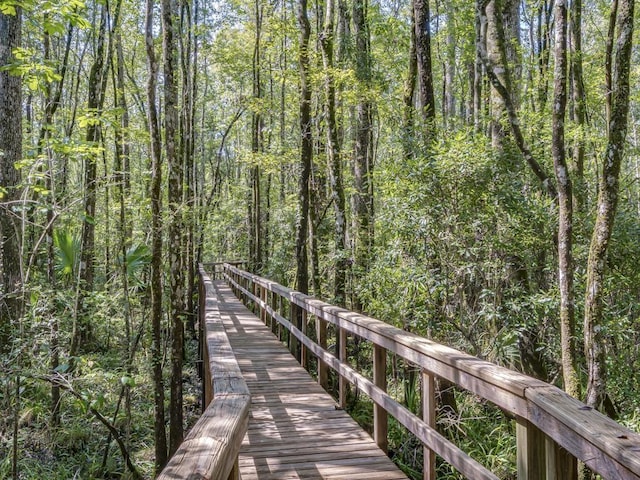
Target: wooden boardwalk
295	430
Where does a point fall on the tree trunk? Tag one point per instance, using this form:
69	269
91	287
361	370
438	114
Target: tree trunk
255	205
425	72
187	144
363	150
156	245
565	207
496	54
82	331
175	197
306	156
409	94
579	101
594	326
11	152
497	74
450	66
334	158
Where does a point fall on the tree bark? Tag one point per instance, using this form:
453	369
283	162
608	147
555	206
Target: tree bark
11	152
409	94
494	72
422	29
160	434
579	101
594	325
306	157
565	207
363	151
175	197
82	331
255	204
334	158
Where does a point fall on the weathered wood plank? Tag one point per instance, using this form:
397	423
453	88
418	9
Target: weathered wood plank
602	444
210	450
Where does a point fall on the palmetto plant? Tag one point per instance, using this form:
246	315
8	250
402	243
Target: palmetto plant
67	251
138	256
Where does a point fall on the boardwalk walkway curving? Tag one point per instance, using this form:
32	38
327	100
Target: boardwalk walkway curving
295	430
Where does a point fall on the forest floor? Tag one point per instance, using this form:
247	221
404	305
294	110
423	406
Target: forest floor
80	446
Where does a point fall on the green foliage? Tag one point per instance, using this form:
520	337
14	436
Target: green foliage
67	254
138	257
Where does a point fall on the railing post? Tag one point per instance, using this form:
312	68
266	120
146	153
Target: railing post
531	449
295	314
380	420
303	349
342	355
429	417
234	474
254	291
274	307
263	307
323	370
561	465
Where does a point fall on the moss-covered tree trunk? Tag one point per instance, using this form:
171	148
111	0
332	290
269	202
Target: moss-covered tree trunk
176	226
160	434
334	159
306	157
565	206
594	323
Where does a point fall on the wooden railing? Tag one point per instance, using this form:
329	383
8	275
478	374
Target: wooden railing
211	448
552	428
216	269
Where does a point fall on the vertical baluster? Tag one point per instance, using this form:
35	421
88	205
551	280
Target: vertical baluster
560	465
263	307
254	291
380	420
282	314
234	474
303	349
323	371
531	449
295	316
274	307
342	355
429	417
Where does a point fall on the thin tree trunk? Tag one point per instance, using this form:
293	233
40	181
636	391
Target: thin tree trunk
565	207
334	159
608	59
187	150
409	94
503	90
306	156
477	75
255	204
425	73
363	150
82	331
579	101
175	197
450	67
160	434
594	327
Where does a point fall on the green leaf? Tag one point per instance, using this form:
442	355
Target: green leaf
62	368
128	381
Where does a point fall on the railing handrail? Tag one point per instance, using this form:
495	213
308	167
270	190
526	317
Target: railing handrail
603	445
210	450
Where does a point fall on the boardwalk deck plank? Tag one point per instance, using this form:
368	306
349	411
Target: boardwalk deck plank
295	430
